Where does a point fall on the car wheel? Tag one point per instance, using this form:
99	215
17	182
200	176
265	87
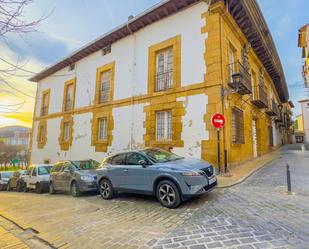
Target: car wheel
168	194
38	188
75	190
51	188
8	187
19	187
106	189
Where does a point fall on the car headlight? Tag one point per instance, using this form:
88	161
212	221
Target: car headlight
87	178
191	173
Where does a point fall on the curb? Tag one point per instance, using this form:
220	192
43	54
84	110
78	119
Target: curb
241	180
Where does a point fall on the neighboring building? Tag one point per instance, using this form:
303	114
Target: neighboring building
305	118
158	79
299	129
15	135
303	42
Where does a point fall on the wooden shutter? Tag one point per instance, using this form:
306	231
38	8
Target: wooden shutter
238	136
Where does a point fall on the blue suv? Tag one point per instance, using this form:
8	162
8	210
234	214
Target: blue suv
171	178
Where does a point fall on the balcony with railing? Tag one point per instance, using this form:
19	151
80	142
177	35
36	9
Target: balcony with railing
260	97
164	81
273	109
240	79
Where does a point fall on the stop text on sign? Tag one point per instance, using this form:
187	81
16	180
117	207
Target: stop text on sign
218	121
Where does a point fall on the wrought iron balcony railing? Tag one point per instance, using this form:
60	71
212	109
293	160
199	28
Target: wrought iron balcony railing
260	97
164	81
240	78
273	109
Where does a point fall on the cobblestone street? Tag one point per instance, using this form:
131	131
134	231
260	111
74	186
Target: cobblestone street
255	214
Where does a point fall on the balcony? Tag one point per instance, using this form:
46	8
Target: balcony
240	79
164	81
273	109
260	97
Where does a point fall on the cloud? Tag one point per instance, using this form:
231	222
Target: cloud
39	45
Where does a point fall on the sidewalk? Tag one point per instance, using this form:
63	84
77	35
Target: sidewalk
241	172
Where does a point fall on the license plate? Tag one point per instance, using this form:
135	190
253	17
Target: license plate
212	180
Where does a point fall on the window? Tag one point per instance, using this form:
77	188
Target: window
232	64
41	135
135	158
237	126
102	129
71	67
66	131
164	125
106	50
45	103
69	95
57	167
105	86
164	69
33	172
119	159
44	170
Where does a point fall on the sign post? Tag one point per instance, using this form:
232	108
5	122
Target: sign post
218	121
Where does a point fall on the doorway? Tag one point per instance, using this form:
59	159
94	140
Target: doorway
254	138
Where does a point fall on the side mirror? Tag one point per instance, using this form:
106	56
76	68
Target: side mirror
143	163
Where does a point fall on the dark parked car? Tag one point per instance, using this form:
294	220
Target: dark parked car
171	178
4	178
16	181
74	176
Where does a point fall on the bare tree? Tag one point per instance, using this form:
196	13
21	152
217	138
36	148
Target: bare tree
12	19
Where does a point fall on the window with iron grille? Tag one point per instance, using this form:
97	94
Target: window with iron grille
69	98
164	125
164	69
41	133
102	129
105	86
66	131
238	136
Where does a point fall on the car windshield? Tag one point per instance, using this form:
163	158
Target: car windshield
161	156
44	170
6	174
22	172
85	165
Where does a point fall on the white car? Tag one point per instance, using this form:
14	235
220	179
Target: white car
37	178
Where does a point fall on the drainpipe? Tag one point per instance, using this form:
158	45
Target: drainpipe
222	75
133	77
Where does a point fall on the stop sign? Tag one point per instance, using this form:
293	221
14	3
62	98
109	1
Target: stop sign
218	120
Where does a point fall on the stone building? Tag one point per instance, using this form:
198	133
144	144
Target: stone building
158	79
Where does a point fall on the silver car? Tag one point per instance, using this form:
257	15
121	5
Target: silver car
4	178
74	176
171	178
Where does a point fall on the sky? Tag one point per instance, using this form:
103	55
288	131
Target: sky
73	23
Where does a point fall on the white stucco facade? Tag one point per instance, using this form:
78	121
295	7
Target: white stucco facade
130	56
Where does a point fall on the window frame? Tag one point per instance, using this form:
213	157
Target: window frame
45	95
167	73
105	131
110	67
167	127
237	126
175	44
68	84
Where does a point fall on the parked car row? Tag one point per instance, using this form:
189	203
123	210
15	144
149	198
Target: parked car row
171	178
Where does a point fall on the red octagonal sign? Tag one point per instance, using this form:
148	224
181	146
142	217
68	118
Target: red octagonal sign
218	120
